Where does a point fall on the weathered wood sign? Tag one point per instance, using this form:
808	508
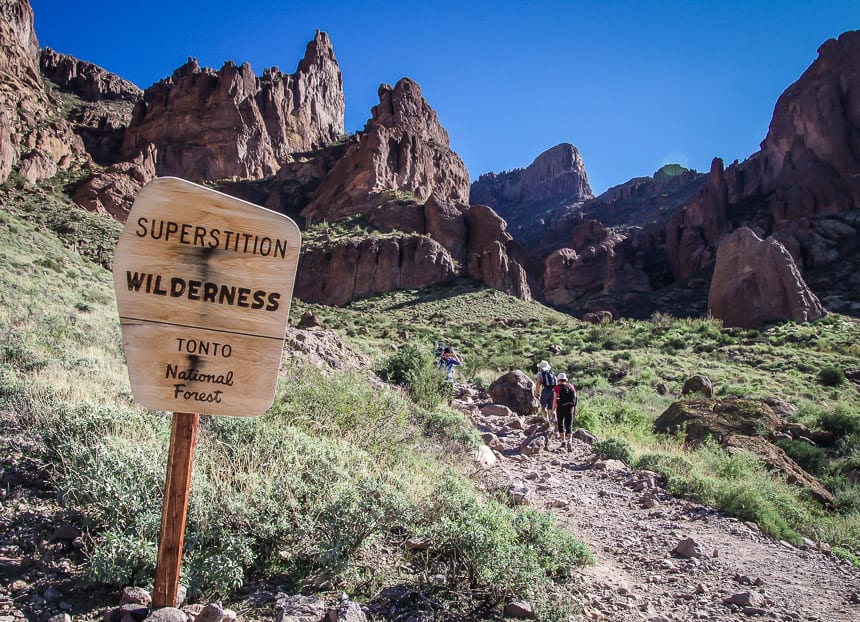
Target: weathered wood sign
203	286
204	283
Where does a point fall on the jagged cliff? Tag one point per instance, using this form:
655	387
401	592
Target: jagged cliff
208	124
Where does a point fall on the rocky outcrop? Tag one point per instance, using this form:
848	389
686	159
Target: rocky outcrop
804	184
86	80
718	419
556	173
30	128
112	192
607	265
757	281
475	236
777	460
343	272
403	152
210	125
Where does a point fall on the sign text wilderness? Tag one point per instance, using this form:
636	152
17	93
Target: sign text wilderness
204	283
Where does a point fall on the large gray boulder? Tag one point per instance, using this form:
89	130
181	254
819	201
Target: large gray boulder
516	391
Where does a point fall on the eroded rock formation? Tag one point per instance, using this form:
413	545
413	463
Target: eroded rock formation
29	127
757	281
402	152
357	269
86	80
210	125
556	173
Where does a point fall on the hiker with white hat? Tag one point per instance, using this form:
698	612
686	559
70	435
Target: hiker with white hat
545	382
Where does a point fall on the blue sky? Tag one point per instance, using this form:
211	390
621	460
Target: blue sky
633	85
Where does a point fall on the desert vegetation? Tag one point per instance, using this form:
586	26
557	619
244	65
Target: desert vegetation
322	493
331	488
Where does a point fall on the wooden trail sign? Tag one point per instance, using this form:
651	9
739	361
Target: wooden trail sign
203	285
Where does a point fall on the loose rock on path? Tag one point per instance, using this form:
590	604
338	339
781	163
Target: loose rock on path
658	557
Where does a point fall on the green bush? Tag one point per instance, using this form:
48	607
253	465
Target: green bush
449	423
831	376
613	449
500	553
400	366
414	369
810	458
840	421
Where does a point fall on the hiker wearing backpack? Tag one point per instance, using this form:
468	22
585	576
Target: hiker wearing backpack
447	361
564	404
545	382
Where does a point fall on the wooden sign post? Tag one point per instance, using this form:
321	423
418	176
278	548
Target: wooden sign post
203	284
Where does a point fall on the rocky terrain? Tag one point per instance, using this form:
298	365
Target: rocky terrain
657	557
537	232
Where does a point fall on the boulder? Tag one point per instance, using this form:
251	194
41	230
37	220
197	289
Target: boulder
756	281
516	391
777	460
717	418
698	384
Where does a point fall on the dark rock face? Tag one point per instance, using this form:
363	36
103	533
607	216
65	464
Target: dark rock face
109	101
88	81
756	281
210	125
403	152
803	187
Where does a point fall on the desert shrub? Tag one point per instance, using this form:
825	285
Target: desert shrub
497	552
811	459
831	376
414	369
449	423
613	449
844	553
122	559
665	464
398	367
846	499
841	421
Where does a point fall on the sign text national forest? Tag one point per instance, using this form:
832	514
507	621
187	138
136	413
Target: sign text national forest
203	284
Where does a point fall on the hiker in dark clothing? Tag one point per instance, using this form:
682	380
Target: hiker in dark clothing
564	404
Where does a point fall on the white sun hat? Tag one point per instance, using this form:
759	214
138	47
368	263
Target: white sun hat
543	366
562	376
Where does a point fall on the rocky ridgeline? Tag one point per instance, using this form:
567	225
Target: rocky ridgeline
433	234
402	149
32	134
208	124
646	234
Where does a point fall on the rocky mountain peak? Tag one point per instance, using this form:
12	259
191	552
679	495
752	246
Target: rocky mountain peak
88	81
404	110
557	175
403	149
558	171
208	124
